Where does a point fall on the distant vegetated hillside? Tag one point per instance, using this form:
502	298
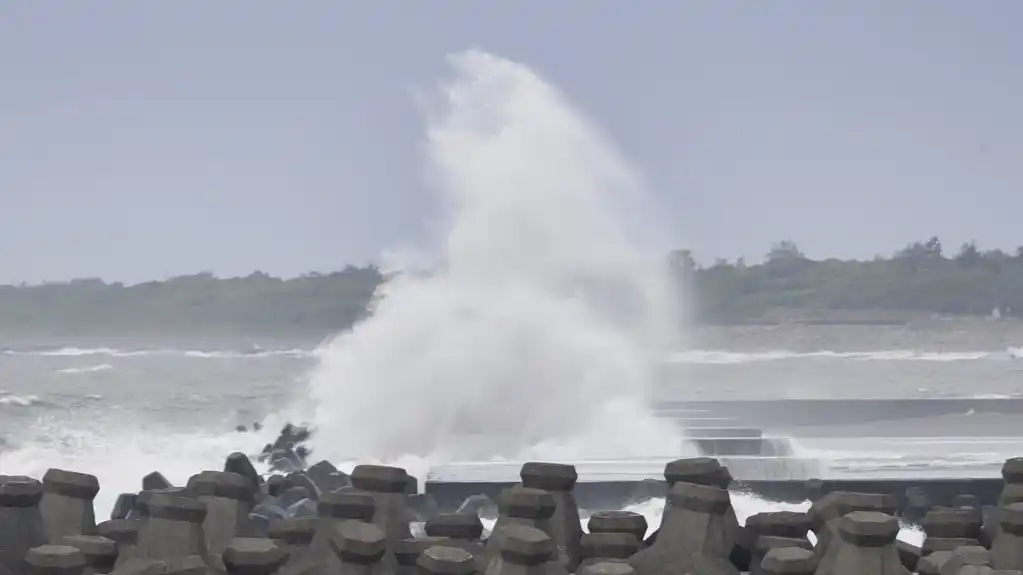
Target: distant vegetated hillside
916	281
201	302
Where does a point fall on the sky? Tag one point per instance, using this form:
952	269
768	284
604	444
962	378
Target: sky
142	140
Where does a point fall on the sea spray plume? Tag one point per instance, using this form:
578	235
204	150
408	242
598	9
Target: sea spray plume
540	332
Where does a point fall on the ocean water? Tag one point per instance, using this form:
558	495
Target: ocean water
131	406
546	329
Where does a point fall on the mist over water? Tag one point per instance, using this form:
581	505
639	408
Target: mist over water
540	332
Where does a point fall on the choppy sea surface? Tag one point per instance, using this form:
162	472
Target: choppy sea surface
120	407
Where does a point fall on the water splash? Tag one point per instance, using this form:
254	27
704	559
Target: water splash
539	332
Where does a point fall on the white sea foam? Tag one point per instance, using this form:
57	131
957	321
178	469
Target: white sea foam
695	356
86	369
192	353
121	453
538	332
11	399
736	357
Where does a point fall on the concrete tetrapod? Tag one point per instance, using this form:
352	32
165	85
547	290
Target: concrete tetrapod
445	560
253	556
21	523
865	546
693	534
66	504
564	526
55	560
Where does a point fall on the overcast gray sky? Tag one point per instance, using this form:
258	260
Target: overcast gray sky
144	139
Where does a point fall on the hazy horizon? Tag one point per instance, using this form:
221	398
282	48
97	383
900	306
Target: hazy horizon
144	141
949	251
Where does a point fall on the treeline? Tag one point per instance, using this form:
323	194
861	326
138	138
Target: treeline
196	303
918	279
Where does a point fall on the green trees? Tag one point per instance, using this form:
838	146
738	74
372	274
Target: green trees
194	303
919	279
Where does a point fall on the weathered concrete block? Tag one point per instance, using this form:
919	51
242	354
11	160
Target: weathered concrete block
387	486
520	506
21	523
240	464
948	523
444	560
607	568
975	556
788	561
358	543
253	556
347	503
695	534
55	560
379	479
618	522
931	563
100	553
525	546
866	544
155	481
407	552
564	526
764	545
1007	547
604	547
66	504
705	471
465	526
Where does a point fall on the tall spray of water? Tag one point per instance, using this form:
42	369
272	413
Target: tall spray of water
540	332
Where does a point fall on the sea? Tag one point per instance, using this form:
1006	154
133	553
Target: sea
547	327
120	407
